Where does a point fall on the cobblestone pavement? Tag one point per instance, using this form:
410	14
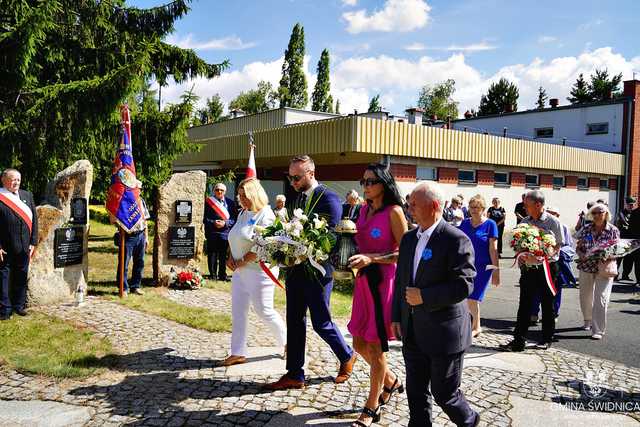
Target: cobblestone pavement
167	374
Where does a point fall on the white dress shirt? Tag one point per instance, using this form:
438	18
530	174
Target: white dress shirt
423	239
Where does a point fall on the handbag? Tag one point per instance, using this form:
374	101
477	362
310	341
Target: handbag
608	268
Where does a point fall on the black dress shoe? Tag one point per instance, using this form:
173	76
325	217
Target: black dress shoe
5	316
512	346
22	312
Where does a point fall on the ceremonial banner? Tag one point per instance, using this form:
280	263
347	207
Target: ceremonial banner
123	198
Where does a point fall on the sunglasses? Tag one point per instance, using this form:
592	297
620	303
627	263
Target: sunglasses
295	178
218	190
369	182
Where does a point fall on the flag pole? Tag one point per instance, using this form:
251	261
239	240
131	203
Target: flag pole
121	263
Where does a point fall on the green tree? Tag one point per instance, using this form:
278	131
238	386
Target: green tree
438	100
293	84
542	98
66	65
321	99
255	100
602	87
212	112
580	92
374	104
502	97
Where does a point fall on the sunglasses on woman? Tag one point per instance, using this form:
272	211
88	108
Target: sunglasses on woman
369	182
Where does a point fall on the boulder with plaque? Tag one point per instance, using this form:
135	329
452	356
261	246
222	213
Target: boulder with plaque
179	237
60	262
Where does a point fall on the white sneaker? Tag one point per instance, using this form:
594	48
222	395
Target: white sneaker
596	336
587	325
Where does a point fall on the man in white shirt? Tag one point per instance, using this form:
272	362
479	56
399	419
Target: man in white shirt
18	239
434	277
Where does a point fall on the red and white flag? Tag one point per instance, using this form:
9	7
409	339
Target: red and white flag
251	167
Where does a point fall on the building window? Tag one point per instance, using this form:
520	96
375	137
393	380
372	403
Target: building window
426	173
501	178
468	176
544	132
583	183
558	181
597	128
604	184
531	180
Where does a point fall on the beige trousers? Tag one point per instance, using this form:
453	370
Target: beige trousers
595	292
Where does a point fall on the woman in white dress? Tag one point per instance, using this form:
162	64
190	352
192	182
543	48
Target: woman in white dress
249	283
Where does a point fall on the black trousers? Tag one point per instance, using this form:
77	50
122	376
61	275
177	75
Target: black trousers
217	261
630	263
500	234
532	282
13	282
438	377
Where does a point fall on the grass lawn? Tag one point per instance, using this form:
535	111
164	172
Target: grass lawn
44	345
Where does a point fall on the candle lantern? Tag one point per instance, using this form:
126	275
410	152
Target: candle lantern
345	249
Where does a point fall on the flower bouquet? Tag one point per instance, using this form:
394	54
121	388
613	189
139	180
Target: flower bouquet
186	279
531	240
612	249
303	240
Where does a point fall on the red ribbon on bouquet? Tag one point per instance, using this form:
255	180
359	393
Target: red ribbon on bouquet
268	272
546	267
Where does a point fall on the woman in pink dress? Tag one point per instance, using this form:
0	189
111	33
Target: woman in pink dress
381	224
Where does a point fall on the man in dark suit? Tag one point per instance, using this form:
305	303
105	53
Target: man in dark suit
311	292
18	239
434	277
351	207
220	214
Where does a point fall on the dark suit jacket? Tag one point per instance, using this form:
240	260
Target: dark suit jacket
14	233
346	207
327	205
210	216
442	323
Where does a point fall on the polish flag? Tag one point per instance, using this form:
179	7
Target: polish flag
251	167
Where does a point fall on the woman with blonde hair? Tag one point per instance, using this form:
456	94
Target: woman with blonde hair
249	283
596	280
483	233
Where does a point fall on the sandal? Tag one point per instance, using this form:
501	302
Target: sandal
374	414
234	360
395	387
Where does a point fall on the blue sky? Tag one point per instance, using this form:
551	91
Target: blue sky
394	47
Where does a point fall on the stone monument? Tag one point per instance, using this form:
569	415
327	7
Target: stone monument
179	238
60	262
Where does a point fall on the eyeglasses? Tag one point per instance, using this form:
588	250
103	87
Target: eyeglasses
597	213
369	182
218	190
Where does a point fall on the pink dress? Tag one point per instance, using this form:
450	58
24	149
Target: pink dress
374	236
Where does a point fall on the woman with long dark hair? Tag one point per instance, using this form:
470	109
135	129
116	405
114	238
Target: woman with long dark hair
380	225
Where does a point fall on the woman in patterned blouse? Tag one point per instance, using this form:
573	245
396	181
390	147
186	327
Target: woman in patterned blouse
595	288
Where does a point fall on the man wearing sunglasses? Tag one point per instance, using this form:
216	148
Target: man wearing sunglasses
305	291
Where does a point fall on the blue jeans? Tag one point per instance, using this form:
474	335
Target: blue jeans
133	248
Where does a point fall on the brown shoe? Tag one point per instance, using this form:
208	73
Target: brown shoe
284	383
345	369
234	360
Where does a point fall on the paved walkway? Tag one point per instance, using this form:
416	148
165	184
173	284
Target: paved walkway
167	374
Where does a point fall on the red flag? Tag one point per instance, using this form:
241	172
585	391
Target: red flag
251	167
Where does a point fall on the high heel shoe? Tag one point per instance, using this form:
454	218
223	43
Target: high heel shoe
395	387
374	414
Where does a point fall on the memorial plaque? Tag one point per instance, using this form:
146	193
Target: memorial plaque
183	211
182	242
79	210
68	246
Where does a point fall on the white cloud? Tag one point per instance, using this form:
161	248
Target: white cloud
226	43
396	15
546	39
398	81
349	2
590	25
415	47
474	47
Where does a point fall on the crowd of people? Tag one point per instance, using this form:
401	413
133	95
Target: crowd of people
423	267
